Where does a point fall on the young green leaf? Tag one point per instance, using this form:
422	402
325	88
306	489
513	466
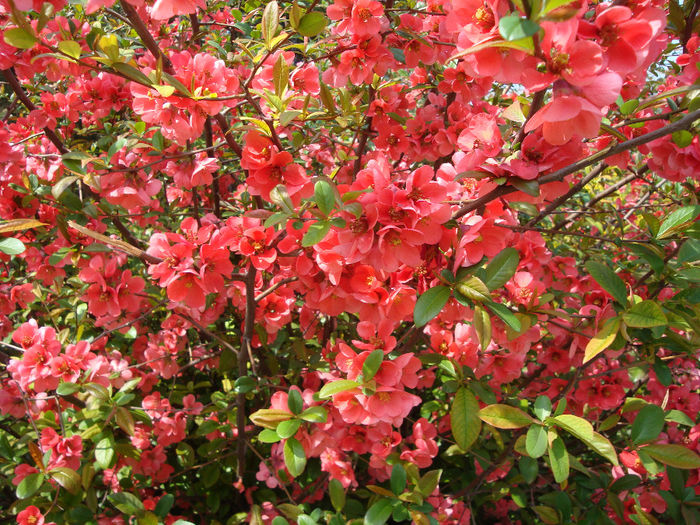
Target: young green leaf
379	512
287	429
324	196
482	325
336	387
270	23
513	27
316	233
294	401
11	246
603	339
536	441
542	407
372	363
311	24
559	460
104	452
505	416
294	457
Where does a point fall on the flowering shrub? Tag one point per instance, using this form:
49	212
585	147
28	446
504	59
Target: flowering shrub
351	261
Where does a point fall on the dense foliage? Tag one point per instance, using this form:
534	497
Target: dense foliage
356	261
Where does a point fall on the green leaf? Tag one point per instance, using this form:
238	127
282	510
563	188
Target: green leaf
528	468
66	389
324	196
280	76
316	233
336	387
244	384
505	416
379	512
559	460
30	485
542	408
268	436
482	324
280	196
311	24
294	401
645	314
464	418
19	38
501	268
627	108
505	315
165	503
11	246
682	138
690	251
126	502
655	261
536	441
429	304
680	417
529	187
512	27
474	289
674	456
294	457
314	414
427	483
287	429
70	48
104	452
133	73
608	280
627	482
603	339
270	23
648	424
678	221
371	365
337	493
68	478
398	479
583	430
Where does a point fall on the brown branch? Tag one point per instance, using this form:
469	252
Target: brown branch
243	354
563	198
12	80
362	144
600	196
146	37
559	175
275	287
537	103
223	125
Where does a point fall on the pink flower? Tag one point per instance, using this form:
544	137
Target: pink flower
164	9
30	516
565	117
